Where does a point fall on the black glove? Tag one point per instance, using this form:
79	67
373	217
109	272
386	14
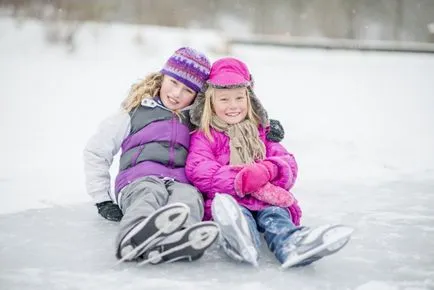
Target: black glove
276	133
109	211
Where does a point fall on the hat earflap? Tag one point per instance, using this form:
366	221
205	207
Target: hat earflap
258	108
196	109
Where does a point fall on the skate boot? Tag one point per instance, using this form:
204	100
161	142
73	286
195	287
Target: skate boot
162	223
235	237
188	244
309	245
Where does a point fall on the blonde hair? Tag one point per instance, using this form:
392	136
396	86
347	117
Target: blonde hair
208	112
147	88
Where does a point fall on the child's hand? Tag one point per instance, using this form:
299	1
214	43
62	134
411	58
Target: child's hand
272	168
276	133
109	211
251	178
274	195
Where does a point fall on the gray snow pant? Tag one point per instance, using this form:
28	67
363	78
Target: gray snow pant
141	198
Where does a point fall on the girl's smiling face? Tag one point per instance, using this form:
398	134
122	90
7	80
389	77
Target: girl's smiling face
230	105
175	95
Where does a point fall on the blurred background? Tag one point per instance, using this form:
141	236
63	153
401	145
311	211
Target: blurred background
305	21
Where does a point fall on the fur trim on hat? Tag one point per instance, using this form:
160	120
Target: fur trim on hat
196	109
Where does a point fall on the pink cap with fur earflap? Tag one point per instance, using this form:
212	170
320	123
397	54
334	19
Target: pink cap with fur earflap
229	72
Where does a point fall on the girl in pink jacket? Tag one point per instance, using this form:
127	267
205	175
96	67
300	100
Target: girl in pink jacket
246	178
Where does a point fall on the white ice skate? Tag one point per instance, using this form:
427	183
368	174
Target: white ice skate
235	236
161	223
308	245
186	245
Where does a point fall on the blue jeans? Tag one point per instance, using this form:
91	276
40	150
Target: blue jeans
277	226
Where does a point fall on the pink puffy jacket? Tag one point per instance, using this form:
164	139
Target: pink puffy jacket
208	169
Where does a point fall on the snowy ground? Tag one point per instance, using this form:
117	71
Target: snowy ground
360	125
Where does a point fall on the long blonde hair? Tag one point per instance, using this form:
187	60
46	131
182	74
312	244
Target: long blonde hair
147	88
208	112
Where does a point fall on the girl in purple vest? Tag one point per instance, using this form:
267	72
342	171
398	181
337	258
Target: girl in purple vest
246	178
161	212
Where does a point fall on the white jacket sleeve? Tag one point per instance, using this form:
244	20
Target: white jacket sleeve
99	153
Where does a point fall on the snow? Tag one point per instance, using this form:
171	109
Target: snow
359	124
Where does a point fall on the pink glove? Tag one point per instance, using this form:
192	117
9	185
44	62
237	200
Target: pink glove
274	195
251	178
272	168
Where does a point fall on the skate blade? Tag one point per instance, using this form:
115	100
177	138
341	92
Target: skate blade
201	239
226	213
163	214
338	239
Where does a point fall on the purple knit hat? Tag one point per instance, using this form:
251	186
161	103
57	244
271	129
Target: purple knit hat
188	66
